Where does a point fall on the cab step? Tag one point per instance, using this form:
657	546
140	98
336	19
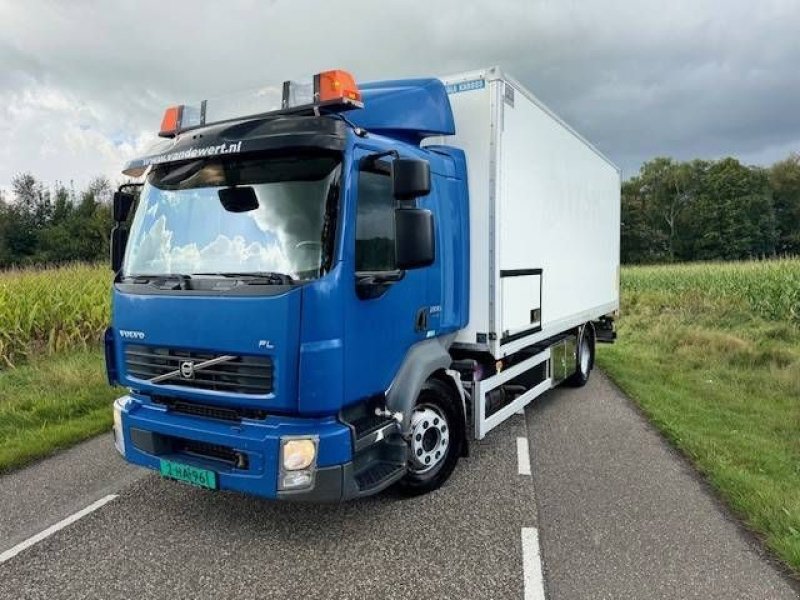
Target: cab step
379	475
372	429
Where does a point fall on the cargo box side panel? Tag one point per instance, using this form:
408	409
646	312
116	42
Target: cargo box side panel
470	99
558	211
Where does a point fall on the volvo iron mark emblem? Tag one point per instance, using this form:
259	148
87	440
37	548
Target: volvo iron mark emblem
187	369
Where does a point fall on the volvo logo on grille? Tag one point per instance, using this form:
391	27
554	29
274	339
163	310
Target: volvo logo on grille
187	369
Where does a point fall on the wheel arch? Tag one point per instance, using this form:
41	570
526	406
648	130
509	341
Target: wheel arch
424	360
452	380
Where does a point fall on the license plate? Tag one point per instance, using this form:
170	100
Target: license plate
192	475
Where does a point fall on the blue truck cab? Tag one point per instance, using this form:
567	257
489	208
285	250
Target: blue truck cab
287	287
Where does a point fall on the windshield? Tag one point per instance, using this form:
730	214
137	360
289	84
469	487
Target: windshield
182	227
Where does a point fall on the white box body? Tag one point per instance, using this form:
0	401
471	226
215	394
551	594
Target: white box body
544	217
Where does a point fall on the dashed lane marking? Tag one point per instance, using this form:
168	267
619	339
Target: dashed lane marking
533	578
532	570
523	456
12	552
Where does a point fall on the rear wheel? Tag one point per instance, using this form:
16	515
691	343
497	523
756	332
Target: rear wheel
434	445
584	358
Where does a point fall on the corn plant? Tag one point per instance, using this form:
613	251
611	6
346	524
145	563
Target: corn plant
52	309
769	289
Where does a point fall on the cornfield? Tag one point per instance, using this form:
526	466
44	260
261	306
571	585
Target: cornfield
52	309
768	289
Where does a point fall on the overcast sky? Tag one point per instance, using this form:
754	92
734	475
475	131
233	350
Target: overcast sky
83	84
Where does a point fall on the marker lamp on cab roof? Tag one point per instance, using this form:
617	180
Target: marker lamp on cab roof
335	89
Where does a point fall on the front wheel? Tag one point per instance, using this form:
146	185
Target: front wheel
435	440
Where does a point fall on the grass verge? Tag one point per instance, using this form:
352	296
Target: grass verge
717	370
50	403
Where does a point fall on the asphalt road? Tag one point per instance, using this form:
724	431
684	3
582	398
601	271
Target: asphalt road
619	516
624	516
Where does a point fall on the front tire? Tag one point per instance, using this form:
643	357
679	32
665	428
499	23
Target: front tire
435	443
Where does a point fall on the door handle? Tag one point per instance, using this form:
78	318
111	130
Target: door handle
421	320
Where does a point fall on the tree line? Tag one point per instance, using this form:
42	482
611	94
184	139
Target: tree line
671	211
710	210
44	226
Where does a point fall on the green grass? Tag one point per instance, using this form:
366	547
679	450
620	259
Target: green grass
50	403
711	353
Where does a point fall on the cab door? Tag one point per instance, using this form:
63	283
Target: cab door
387	310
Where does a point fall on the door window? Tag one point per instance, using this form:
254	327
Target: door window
375	234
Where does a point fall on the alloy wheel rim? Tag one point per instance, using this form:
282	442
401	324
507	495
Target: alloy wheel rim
430	438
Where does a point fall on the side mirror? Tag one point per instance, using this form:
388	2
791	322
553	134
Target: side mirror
119	239
414	238
123	201
238	199
411	178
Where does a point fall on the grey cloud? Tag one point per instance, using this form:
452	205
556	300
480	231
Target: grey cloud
638	78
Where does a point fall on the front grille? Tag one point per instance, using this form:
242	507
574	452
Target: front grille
208	411
251	375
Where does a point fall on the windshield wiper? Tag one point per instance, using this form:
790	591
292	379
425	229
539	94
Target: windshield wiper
164	281
256	277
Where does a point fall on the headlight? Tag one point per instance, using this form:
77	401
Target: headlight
298	459
298	453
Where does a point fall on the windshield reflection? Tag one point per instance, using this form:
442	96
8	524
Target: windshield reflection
183	227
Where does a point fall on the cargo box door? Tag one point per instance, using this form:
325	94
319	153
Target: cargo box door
521	304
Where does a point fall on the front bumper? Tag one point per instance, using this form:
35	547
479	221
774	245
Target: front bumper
245	455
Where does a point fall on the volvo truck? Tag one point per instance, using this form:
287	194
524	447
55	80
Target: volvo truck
339	287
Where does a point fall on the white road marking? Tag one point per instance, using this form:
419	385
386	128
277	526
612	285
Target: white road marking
523	457
521	411
12	552
532	572
532	577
